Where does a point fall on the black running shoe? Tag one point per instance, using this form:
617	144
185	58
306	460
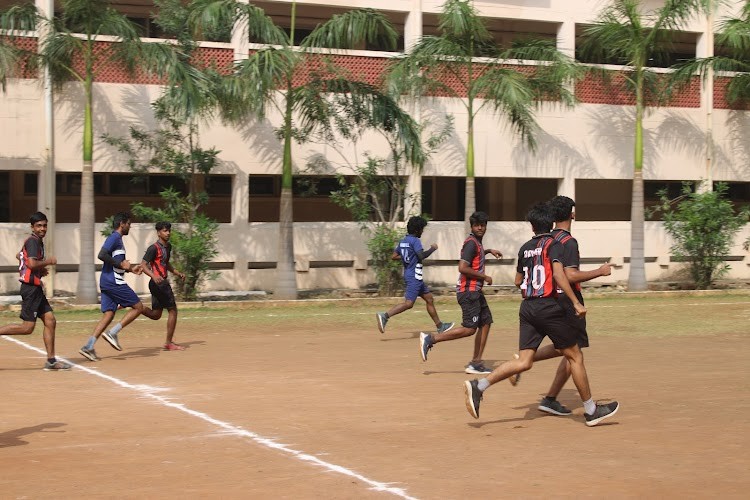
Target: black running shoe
553	406
602	412
473	397
425	344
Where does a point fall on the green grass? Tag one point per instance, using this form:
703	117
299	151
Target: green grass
617	315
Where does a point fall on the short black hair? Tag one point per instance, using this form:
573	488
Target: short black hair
561	208
163	225
120	218
37	217
540	217
416	225
478	218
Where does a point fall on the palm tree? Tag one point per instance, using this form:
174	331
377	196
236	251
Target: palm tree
626	33
266	79
71	51
509	93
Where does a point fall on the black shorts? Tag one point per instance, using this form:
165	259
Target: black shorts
474	309
162	296
545	317
34	303
578	324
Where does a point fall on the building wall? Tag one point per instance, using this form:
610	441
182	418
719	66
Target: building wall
592	141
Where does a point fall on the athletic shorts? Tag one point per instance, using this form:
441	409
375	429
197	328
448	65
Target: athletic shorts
544	317
119	295
415	288
578	324
474	309
34	303
162	296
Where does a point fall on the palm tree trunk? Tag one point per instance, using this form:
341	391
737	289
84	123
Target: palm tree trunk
470	204
286	279
86	287
637	274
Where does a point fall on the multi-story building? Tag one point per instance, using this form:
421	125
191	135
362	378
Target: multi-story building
585	152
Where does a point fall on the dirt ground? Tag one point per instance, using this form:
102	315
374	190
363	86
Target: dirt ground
311	401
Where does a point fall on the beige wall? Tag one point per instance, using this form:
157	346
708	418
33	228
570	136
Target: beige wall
343	242
588	142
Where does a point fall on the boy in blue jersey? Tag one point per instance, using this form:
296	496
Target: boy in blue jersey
410	252
115	291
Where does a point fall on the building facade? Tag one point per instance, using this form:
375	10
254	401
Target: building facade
585	152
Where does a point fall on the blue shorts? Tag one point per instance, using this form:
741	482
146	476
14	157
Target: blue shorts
414	289
120	295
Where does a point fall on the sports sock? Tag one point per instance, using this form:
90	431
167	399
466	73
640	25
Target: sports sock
91	342
52	361
589	406
115	329
483	384
386	315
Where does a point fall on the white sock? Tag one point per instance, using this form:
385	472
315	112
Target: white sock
589	406
483	384
115	329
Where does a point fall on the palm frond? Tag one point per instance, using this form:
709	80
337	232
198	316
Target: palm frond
212	15
250	89
510	95
460	20
352	29
321	103
19	18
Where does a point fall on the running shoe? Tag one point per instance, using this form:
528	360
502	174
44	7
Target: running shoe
553	406
444	327
473	397
112	339
57	366
602	412
382	320
89	354
477	368
425	344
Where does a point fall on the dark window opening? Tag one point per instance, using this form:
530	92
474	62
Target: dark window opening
219	185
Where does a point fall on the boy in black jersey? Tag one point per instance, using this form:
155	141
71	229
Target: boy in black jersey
562	208
32	267
156	266
539	274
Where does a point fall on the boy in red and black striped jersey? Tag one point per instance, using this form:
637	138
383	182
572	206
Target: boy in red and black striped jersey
32	268
563	211
539	274
156	266
475	311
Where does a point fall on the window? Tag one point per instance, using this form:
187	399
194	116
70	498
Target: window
219	185
30	183
265	185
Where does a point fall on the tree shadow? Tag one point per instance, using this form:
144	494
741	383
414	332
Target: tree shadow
13	438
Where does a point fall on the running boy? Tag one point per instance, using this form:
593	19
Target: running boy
410	252
115	291
475	311
34	304
539	274
155	265
562	209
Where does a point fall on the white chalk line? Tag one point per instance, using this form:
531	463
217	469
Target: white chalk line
149	392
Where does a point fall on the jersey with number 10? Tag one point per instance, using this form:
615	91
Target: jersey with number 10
408	248
535	264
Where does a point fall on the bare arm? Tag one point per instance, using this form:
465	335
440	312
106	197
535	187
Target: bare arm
519	279
35	264
558	272
465	269
575	275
